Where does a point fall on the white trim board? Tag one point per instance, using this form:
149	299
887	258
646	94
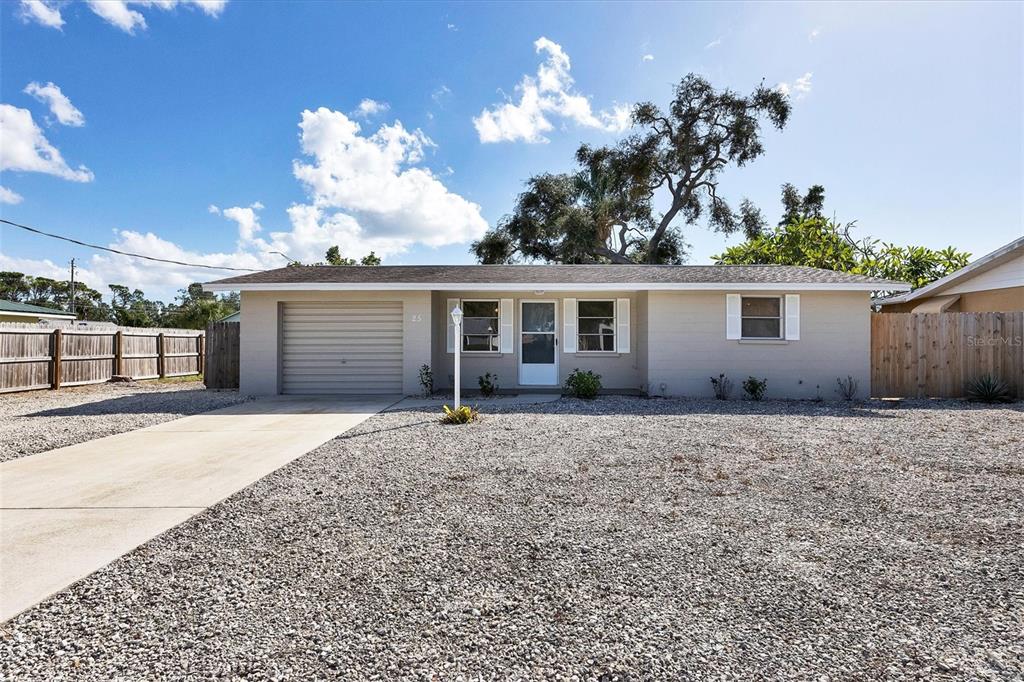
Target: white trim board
561	286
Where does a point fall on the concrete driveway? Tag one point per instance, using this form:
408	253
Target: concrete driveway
70	511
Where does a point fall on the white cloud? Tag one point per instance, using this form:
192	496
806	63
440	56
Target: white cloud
377	182
61	107
248	221
42	13
370	107
713	44
8	196
120	14
25	148
453	27
814	34
117	13
799	89
440	94
647	58
548	94
366	192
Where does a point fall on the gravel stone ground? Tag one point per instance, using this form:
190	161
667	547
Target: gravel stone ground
36	421
619	539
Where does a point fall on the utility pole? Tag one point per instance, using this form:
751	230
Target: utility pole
72	286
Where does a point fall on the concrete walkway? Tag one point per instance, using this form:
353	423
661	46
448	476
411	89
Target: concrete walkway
70	511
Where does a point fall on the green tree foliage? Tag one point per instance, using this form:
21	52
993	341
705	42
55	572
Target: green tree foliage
805	237
334	257
604	211
192	309
822	243
51	293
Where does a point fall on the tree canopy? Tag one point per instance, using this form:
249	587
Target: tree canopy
805	237
603	212
334	257
193	308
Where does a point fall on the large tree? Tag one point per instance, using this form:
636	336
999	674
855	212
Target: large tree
604	211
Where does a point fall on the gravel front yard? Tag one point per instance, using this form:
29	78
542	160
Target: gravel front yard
36	421
613	540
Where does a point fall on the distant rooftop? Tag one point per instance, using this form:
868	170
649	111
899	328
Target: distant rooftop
29	309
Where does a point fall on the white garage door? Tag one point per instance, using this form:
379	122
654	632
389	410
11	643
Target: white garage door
341	348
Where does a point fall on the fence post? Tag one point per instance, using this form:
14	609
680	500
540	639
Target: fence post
119	352
201	358
160	354
56	355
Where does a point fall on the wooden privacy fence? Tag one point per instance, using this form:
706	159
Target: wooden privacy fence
222	355
39	357
934	355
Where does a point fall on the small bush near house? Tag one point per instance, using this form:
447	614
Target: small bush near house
426	380
583	384
847	388
459	415
722	386
754	388
988	389
488	384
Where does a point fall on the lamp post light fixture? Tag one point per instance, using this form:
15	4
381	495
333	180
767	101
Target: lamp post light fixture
457	320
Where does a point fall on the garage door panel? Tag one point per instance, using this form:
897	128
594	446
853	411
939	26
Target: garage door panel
341	348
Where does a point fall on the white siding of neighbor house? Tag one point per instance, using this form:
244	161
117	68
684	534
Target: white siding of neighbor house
687	345
260	341
1003	276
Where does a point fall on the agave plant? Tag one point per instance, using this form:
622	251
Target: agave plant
988	389
459	415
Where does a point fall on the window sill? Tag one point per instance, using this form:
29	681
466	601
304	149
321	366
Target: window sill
478	353
765	342
597	353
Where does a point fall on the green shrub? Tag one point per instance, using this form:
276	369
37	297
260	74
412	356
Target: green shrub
755	388
847	388
722	386
459	415
988	389
488	384
426	380
583	384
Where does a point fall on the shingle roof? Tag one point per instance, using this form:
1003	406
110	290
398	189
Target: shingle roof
627	275
15	307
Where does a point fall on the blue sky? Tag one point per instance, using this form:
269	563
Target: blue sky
188	141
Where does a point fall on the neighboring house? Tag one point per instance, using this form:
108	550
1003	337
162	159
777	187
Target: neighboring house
11	311
656	329
233	317
993	283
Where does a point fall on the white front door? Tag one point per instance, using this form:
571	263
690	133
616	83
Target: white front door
538	343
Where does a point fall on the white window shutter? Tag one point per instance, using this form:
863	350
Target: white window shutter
506	325
733	321
792	317
452	303
569	324
622	322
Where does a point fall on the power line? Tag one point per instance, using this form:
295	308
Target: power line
123	253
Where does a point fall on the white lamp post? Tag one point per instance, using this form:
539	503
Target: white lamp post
457	320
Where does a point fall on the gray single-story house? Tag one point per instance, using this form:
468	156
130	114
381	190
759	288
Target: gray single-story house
651	329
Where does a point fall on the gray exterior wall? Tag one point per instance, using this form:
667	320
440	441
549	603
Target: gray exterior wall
687	345
676	339
619	371
259	344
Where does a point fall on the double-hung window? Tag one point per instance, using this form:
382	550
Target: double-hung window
761	317
596	326
480	327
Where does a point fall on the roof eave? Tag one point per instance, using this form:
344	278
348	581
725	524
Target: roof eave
561	286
